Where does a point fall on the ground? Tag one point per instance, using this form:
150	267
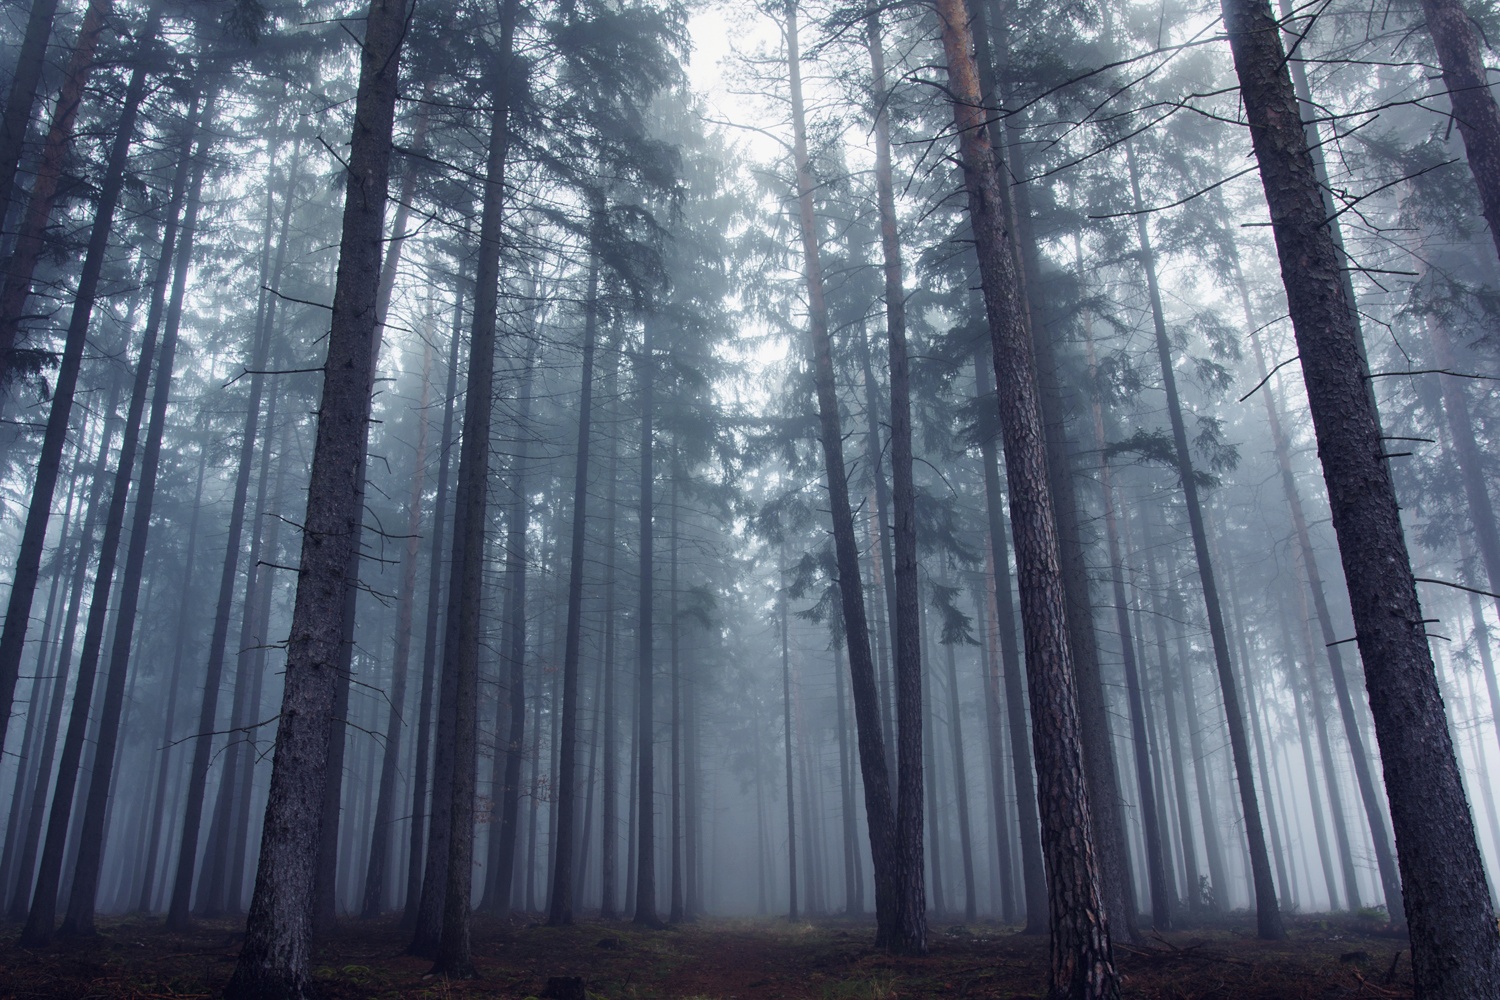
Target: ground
1323	958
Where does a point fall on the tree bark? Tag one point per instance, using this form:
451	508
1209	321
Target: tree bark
30	59
1033	872
31	240
373	902
560	908
1267	910
420	810
644	890
275	960
1082	959
1455	943
899	898
39	921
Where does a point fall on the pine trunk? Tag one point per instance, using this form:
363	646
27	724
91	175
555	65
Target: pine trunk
1455	942
276	958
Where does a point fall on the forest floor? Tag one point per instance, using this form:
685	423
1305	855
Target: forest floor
1323	957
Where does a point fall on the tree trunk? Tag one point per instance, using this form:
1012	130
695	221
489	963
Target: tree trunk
1267	910
39	920
1082	958
560	908
1456	39
31	240
786	710
1033	872
373	902
645	792
899	898
911	897
275	960
1156	869
961	787
420	810
30	59
610	818
467	582
1455	943
513	646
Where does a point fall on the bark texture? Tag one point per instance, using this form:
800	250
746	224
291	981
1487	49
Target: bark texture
1455	943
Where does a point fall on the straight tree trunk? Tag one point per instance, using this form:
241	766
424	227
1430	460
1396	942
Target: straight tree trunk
911	896
899	897
30	59
676	909
560	908
275	959
1082	966
179	914
373	902
467	582
513	645
782	614
1033	872
1110	842
1267	910
31	239
1455	942
610	818
1156	869
644	889
420	810
39	921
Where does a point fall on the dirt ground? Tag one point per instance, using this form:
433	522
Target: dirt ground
1323	958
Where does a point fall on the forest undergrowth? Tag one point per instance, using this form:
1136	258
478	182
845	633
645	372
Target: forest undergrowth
1324	957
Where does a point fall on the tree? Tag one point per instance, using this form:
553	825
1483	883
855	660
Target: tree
1082	958
1455	943
275	960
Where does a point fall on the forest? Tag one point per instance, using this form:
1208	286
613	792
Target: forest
793	498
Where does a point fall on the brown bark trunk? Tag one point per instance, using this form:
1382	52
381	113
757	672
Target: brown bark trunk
1455	943
1082	959
899	902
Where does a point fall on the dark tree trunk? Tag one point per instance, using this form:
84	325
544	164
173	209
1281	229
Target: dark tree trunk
1156	869
420	810
30	59
1082	958
1098	744
644	890
39	920
676	909
373	902
275	959
560	908
1456	38
610	818
899	898
911	897
1267	909
467	582
513	646
31	239
1455	943
1033	872
786	715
